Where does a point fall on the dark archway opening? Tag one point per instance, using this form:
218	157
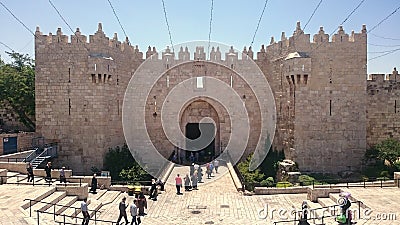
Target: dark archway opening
205	154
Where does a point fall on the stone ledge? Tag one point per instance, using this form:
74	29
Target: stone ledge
3	172
82	191
106	181
235	177
396	179
274	191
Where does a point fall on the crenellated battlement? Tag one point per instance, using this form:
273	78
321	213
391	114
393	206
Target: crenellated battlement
300	41
95	41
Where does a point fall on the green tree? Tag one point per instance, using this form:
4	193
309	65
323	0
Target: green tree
134	173
389	150
17	87
117	159
250	177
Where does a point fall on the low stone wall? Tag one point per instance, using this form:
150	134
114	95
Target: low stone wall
82	191
24	140
124	188
21	155
3	172
106	181
314	194
275	191
21	168
397	179
235	177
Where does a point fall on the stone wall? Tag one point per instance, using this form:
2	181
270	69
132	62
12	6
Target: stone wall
24	140
320	93
319	88
383	107
79	91
9	120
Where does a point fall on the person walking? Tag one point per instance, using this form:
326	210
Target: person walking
122	210
178	183
152	189
142	203
93	185
134	212
208	171
48	172
84	209
29	169
216	165
200	175
194	180
187	183
62	175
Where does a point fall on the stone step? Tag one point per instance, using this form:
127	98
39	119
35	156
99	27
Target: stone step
38	198
108	197
73	210
94	207
12	174
63	204
51	199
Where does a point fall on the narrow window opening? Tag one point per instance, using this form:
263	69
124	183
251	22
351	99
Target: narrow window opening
330	107
231	66
58	40
305	79
95	67
93	78
298	78
167	66
117	80
99	78
321	38
231	81
199	82
104	78
69	106
109	78
292	77
167	81
341	38
108	67
395	106
69	75
118	107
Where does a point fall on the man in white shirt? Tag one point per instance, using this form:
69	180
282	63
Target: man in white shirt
216	165
85	212
134	210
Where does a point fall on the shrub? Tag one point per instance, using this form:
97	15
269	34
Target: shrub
269	182
306	180
284	184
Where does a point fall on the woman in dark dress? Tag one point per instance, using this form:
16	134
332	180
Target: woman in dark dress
142	203
94	184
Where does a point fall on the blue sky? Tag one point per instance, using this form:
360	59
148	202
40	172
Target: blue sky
234	22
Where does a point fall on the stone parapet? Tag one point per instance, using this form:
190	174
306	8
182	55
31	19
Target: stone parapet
80	190
275	191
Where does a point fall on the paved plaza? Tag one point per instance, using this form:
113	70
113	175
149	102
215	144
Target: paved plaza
216	202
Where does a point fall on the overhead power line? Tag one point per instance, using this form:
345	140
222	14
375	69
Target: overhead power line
312	15
115	14
166	21
63	19
15	17
387	17
379	56
209	32
387	38
5	45
258	24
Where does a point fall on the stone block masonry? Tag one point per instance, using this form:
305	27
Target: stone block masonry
326	113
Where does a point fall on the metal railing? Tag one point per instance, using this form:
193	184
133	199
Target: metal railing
55	215
20	179
10	159
331	183
324	209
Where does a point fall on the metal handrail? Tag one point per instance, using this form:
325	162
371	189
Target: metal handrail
47	182
72	217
